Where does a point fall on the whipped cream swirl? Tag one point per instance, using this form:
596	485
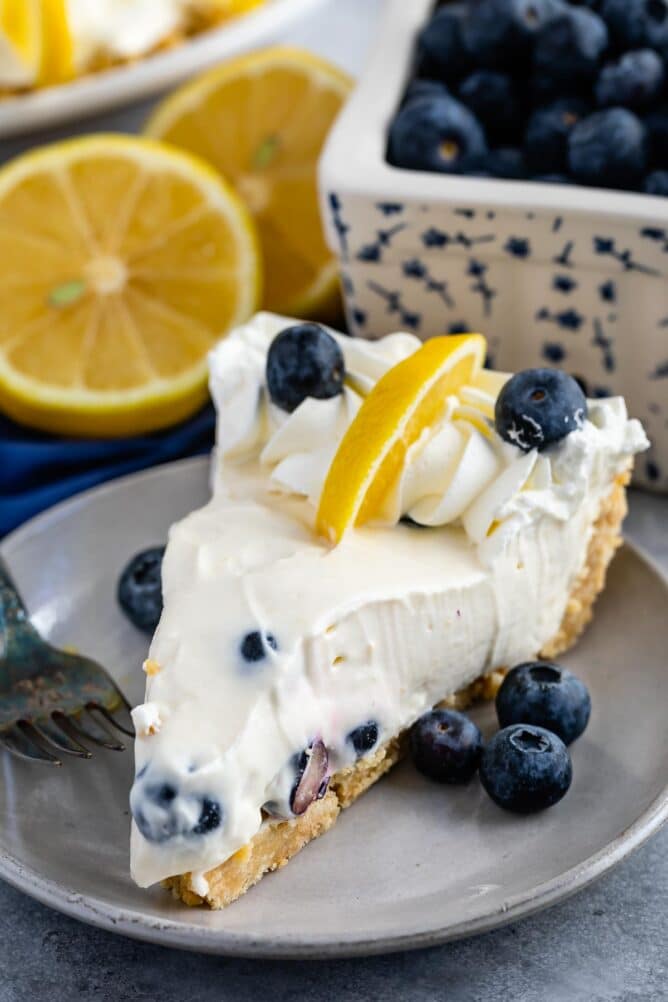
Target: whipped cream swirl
459	471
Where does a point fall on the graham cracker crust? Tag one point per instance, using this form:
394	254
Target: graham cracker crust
275	844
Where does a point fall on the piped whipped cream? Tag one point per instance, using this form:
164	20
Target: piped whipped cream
374	630
108	30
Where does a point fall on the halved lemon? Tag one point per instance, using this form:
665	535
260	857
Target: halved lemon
123	261
36	42
405	401
261	120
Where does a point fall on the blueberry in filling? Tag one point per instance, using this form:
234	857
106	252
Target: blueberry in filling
312	777
162	813
364	737
255	644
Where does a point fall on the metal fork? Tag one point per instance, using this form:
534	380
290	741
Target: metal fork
51	701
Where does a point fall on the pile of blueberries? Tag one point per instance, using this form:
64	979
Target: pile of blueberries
542	708
562	91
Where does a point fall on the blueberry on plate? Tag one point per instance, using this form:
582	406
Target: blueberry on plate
499	32
492	98
656	183
139	590
634	81
547	132
446	746
626	21
547	695
609	148
304	361
364	737
538	407
441	54
435	134
569	50
526	768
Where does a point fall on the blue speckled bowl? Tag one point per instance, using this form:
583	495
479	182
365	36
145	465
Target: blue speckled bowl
566	276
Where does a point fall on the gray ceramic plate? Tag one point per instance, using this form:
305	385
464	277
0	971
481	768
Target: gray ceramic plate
411	864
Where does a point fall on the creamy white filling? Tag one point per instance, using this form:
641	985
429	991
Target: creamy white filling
377	629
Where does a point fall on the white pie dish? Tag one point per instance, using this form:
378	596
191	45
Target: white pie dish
135	82
551	274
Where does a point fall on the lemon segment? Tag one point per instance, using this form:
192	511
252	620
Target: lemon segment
261	120
410	397
124	261
36	42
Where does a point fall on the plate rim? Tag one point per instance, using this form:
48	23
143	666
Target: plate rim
167	932
129	84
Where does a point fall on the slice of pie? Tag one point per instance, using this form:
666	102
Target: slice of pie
373	546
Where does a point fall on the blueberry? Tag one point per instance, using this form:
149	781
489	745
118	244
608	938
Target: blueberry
424	88
626	21
544	694
537	407
491	97
506	162
435	134
140	589
547	132
312	778
634	81
552	178
656	12
441	54
304	361
446	746
254	645
609	148
656	183
526	769
500	32
364	737
162	813
656	123
569	50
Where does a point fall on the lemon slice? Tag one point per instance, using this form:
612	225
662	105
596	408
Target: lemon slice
405	401
35	42
261	120
123	262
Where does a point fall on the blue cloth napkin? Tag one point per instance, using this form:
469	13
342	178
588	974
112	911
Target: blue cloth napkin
37	470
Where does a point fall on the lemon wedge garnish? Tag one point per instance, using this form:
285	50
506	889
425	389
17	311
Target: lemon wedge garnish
123	262
409	398
261	120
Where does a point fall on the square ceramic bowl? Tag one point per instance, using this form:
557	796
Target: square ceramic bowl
552	274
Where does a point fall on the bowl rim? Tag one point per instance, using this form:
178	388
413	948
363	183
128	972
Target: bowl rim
353	160
131	83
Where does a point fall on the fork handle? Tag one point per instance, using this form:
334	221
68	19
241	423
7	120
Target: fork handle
12	608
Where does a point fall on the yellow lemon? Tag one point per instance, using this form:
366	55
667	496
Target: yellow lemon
123	262
36	41
405	401
261	120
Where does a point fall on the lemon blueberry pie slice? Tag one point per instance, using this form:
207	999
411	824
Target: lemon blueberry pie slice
390	525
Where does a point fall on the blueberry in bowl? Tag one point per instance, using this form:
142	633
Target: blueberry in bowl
547	132
538	407
139	589
435	134
441	53
569	50
636	80
526	769
609	148
547	695
446	746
